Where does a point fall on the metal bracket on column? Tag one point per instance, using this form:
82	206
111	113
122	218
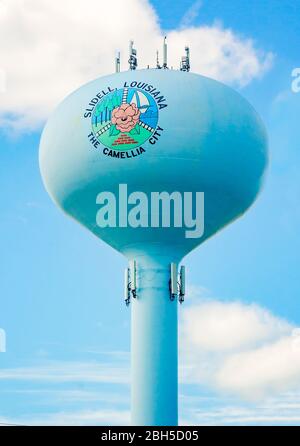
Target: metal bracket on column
132	268
173	281
127	287
130	282
177	285
181	284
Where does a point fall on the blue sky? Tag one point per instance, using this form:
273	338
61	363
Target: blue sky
67	358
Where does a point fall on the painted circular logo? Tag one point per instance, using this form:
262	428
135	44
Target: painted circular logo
125	118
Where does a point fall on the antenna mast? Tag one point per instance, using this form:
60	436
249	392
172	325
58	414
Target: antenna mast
118	62
165	54
157	60
185	60
132	57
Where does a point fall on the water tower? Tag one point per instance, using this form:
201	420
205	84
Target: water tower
154	162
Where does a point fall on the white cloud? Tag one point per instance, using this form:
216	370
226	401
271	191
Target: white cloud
220	327
239	349
267	370
219	53
49	48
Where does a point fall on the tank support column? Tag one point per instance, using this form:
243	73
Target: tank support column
154	357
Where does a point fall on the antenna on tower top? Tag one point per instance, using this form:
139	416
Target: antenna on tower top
157	60
185	60
118	62
165	53
132	56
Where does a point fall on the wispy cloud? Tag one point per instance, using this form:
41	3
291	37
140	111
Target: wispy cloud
246	358
63	371
73	418
191	14
282	410
68	393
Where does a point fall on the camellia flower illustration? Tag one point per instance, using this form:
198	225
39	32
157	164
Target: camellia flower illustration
125	117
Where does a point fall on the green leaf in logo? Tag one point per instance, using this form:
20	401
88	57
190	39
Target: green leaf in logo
113	131
136	130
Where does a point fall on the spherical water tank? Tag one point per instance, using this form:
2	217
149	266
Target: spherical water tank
184	133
